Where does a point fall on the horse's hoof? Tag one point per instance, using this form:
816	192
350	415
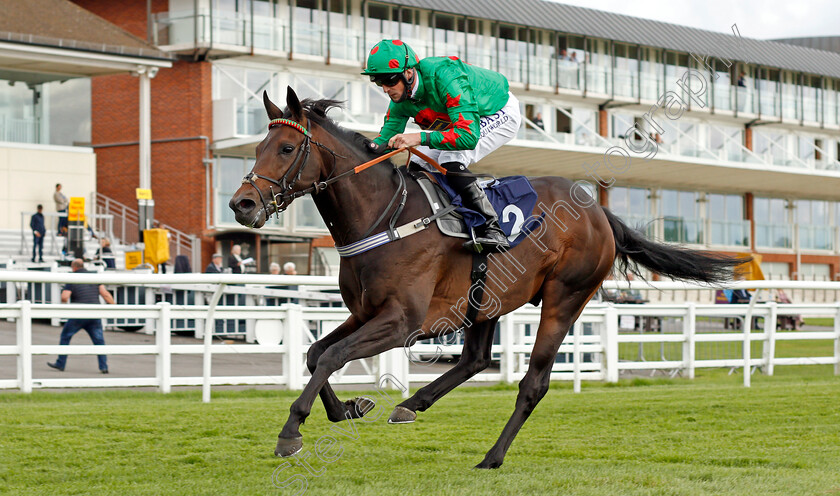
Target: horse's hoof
288	447
488	464
361	407
402	415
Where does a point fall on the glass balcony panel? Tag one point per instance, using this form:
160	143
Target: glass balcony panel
645	223
569	74
746	99
626	82
540	71
18	130
510	64
831	111
309	39
723	96
650	86
480	57
769	235
683	230
344	44
769	103
597	79
813	237
810	108
730	233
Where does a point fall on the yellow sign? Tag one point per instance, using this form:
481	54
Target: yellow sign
133	259
144	194
76	211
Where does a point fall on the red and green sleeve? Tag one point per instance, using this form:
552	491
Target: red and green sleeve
395	121
461	106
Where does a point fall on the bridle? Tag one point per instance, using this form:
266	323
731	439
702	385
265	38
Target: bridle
286	194
286	186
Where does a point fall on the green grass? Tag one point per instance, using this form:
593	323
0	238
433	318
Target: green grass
725	350
819	321
658	436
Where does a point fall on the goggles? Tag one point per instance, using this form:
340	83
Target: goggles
390	79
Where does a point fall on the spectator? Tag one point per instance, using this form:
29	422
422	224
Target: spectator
214	267
573	57
742	79
289	269
182	264
83	293
39	230
274	269
105	253
538	121
61	204
564	55
235	259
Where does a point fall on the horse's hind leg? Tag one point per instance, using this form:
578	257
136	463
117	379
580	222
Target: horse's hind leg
555	321
475	357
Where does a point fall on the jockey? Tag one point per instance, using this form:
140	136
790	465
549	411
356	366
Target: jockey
466	113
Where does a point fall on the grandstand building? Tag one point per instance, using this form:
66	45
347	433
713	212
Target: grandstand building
728	143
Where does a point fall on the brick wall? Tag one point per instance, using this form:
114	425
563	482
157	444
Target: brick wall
181	107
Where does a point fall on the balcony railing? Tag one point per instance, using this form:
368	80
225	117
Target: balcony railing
816	237
769	235
729	233
186	29
683	230
19	130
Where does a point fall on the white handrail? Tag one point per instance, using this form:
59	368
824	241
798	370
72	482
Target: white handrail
134	279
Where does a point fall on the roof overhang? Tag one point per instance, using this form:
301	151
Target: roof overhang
38	64
539	158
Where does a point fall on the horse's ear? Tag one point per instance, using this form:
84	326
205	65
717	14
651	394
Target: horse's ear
270	108
294	105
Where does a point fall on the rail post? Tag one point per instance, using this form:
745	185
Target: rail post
394	363
507	329
293	339
770	340
689	333
576	327
24	340
163	339
611	343
837	340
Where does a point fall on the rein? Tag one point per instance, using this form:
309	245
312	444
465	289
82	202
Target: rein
301	160
286	194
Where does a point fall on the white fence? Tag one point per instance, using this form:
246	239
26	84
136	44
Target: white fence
597	349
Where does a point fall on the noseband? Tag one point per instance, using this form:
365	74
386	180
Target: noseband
294	172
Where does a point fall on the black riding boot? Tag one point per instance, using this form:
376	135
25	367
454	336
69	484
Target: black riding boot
489	236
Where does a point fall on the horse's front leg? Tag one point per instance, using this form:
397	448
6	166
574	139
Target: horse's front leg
387	330
336	409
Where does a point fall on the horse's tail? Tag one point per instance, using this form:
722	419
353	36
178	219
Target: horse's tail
633	249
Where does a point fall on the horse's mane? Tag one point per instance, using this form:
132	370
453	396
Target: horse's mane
316	111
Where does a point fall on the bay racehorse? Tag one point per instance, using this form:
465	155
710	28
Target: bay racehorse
401	291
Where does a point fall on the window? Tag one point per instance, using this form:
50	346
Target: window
682	223
631	204
726	220
772	225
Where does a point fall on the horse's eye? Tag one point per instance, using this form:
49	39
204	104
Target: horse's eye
287	149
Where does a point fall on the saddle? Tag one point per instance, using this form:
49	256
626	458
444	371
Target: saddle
512	197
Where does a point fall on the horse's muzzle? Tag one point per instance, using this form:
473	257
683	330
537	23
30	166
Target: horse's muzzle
248	212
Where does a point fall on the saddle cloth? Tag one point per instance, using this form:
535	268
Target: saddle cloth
513	198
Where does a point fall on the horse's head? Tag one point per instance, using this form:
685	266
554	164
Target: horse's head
287	165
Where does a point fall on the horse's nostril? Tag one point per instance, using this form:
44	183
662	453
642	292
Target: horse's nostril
244	205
